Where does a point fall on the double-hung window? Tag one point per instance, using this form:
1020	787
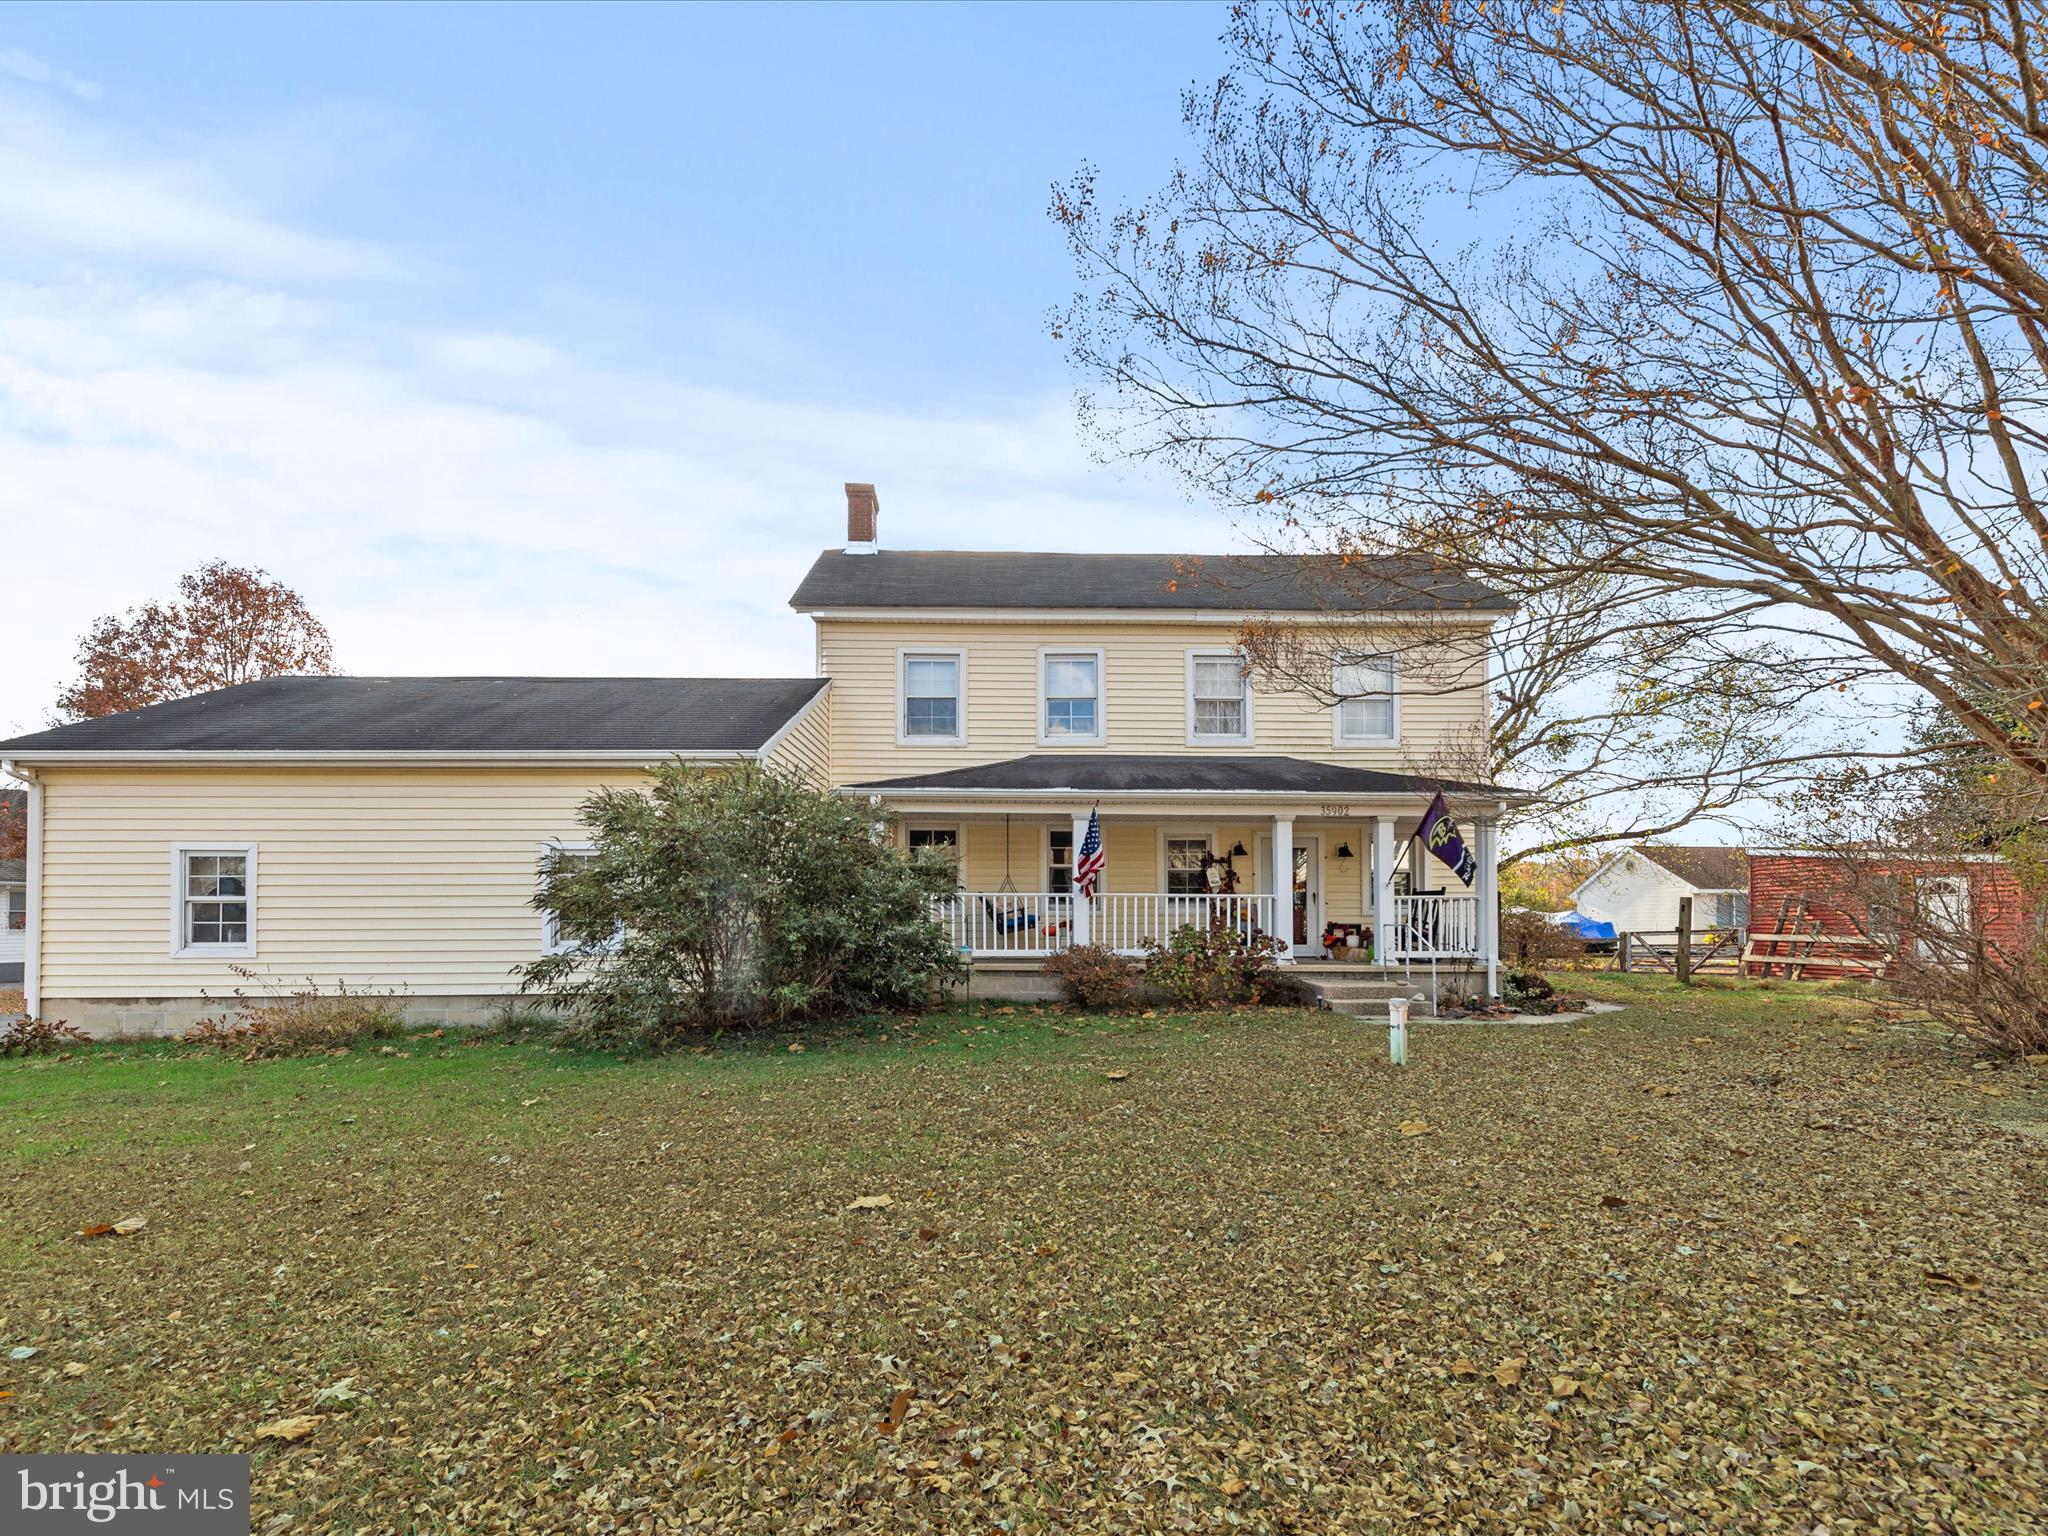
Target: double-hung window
564	857
1368	695
1059	860
1187	861
213	892
941	841
933	703
1070	692
1219	698
17	911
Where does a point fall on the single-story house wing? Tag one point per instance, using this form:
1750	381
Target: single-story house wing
379	832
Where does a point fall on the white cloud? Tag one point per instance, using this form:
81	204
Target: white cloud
75	185
26	66
577	521
451	499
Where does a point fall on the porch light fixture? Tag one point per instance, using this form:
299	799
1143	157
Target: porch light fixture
1238	851
1344	850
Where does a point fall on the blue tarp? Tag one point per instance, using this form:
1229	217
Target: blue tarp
1589	929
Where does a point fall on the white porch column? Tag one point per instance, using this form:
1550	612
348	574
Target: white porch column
1486	886
1283	883
1382	886
1081	929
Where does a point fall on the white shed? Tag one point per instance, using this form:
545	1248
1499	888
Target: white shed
1638	890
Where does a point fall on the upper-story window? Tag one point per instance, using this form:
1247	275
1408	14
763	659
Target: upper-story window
1070	697
1368	700
1219	698
932	688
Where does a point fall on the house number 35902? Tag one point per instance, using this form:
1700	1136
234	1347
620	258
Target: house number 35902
1334	810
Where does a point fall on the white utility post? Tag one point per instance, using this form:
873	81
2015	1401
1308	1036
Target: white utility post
1486	887
1397	1031
1082	926
1283	883
1382	887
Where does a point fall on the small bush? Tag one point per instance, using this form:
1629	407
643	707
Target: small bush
1094	977
1530	939
1524	987
305	1022
40	1037
1198	967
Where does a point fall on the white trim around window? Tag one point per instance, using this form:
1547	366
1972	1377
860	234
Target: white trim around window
956	839
215	908
1047	655
1385	688
905	655
1200	738
1183	833
551	941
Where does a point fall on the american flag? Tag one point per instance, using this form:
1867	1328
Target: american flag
1088	858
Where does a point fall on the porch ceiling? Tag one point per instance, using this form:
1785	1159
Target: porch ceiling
1111	773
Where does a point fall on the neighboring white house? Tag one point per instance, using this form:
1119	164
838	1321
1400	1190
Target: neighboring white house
13	902
1639	890
13	920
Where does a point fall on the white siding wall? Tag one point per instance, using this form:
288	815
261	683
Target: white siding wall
1443	696
383	878
1639	896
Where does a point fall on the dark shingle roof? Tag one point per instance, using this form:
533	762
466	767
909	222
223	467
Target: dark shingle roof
907	578
13	871
1120	773
659	715
1703	868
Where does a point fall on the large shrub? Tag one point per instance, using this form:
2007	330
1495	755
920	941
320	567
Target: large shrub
736	897
1216	963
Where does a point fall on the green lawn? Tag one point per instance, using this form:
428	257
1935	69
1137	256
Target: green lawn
1264	1280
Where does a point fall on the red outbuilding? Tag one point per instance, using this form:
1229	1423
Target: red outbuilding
1821	915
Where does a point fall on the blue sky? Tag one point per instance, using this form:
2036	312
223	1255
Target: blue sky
537	339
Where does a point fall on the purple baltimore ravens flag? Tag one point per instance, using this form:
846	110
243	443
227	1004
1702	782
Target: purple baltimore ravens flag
1089	859
1439	834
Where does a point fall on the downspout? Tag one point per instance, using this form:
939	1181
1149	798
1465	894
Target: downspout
32	936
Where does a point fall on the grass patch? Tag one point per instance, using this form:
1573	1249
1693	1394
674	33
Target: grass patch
1757	1248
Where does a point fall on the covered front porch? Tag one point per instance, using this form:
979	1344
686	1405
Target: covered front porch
1332	868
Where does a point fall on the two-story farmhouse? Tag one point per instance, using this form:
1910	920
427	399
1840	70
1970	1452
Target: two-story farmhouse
388	832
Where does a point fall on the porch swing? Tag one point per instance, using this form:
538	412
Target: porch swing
1010	916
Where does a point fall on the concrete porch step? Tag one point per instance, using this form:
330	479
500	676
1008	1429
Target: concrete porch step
1331	990
1376	1008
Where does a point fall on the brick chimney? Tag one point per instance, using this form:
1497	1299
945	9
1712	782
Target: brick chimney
863	512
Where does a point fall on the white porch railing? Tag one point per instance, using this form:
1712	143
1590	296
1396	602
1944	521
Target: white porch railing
987	923
1435	927
1125	921
993	924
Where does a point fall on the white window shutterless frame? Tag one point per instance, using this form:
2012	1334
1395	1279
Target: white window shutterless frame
1368	693
213	899
1219	699
1070	690
551	855
931	697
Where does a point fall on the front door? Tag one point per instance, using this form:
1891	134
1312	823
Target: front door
1307	934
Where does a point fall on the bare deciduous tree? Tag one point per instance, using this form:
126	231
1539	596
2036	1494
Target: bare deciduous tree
229	625
1738	313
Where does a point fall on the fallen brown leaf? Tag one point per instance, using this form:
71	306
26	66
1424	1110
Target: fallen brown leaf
295	1427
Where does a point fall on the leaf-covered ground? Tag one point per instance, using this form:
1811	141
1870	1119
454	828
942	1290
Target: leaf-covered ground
1730	1260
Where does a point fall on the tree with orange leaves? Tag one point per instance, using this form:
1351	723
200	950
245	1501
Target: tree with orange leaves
230	624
